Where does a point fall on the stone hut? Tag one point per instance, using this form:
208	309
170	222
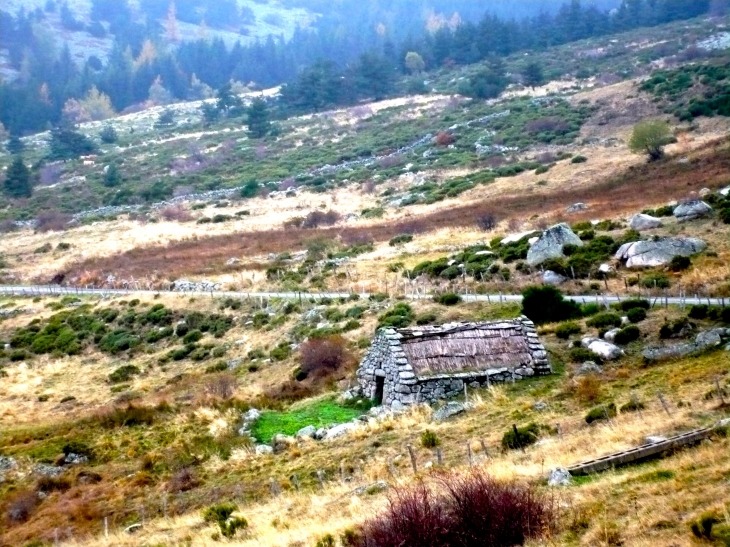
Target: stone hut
424	364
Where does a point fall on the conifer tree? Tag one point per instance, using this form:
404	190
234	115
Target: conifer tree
257	115
17	182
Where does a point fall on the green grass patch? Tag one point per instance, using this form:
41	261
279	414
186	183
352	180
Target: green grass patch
316	413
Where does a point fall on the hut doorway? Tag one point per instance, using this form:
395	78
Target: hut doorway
379	388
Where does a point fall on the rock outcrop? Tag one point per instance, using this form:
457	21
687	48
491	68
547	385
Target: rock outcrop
703	341
692	210
550	277
643	222
551	244
605	350
658	252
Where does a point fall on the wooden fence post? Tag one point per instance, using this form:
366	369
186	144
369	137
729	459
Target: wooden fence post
413	459
664	403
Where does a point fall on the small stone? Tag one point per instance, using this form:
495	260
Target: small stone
550	277
307	432
133	528
603	349
576	207
642	222
540	406
251	415
559	477
654	439
610	336
263	450
340	430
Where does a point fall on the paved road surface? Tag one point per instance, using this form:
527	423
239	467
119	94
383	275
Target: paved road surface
41	290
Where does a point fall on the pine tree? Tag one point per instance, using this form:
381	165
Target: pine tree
17	182
257	115
112	177
15	145
533	75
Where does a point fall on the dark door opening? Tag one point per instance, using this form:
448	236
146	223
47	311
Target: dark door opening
379	388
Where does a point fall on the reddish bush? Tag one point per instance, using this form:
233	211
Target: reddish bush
445	139
182	480
321	356
315	219
22	506
475	510
547	124
176	213
222	387
486	221
7	226
52	221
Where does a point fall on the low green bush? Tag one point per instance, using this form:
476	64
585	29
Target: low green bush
400	239
123	374
520	437
604	320
680	263
627	305
400	316
636	315
192	337
698	311
627	334
566	330
222	515
546	305
603	412
219	366
581	355
633	406
447	299
429	439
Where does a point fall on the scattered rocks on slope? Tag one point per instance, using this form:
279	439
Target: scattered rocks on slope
576	207
603	349
643	222
307	432
658	252
184	285
703	340
551	243
654	439
449	410
340	430
692	210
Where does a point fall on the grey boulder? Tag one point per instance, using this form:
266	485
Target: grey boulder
263	450
550	277
589	367
551	243
307	432
691	210
559	477
605	350
658	252
576	207
340	430
610	336
654	439
642	222
447	411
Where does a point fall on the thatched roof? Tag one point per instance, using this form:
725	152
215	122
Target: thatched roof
471	347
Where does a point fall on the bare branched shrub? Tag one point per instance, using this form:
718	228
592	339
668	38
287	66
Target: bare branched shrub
475	510
486	221
176	213
52	221
322	356
361	111
444	139
546	157
221	387
514	224
50	174
547	124
22	506
390	161
287	183
353	239
182	480
368	187
7	226
261	151
315	219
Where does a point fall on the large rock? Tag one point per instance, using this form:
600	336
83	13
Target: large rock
691	210
610	335
559	477
307	432
447	411
263	450
576	207
642	222
514	238
725	191
651	253
550	277
711	338
551	243
605	350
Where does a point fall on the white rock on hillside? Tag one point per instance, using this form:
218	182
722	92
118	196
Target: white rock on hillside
644	222
691	210
551	243
514	238
603	349
659	252
550	277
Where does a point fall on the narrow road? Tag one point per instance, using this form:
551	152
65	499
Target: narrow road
52	290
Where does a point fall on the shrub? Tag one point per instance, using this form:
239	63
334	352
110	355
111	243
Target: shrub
281	352
400	239
315	219
22	505
588	310
520	437
321	356
401	315
633	406
588	389
627	334
680	263
604	320
636	315
108	135
192	337
602	412
52	221
698	311
474	510
486	221
222	515
220	366
429	439
123	374
447	299
128	416
426	318
547	305
566	330
655	281
579	159
628	305
581	355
